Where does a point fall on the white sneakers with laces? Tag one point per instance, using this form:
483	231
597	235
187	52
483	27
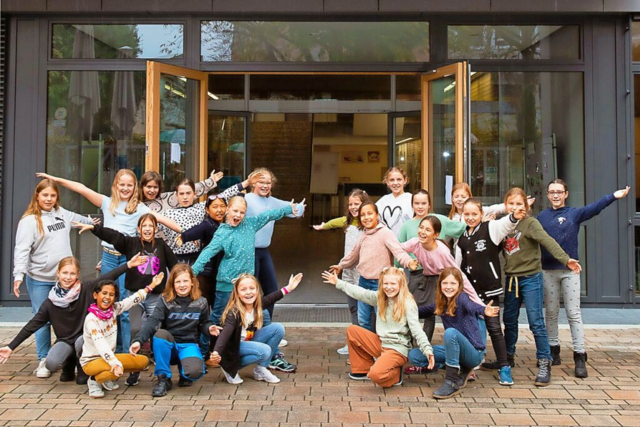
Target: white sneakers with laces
42	371
260	373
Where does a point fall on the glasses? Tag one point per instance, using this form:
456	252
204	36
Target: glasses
556	193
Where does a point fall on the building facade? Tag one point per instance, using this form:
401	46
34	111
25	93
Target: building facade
328	95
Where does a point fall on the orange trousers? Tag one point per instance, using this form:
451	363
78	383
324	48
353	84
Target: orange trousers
101	370
364	345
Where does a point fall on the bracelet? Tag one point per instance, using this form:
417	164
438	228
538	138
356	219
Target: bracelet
148	289
285	290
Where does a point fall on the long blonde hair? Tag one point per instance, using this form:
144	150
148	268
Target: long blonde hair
459	186
400	306
132	204
237	306
169	292
34	206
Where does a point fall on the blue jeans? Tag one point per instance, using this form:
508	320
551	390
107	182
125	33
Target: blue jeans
222	299
186	355
262	347
530	291
457	352
109	262
38	293
365	311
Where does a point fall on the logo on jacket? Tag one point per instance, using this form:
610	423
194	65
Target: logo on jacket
512	244
57	226
561	219
184	316
481	245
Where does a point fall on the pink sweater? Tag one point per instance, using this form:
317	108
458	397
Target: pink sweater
433	262
374	251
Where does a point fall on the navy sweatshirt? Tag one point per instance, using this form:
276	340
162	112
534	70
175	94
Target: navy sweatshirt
204	232
465	320
564	224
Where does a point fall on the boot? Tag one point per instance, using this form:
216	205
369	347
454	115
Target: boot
163	385
543	378
68	370
580	360
494	366
464	373
450	386
81	377
555	355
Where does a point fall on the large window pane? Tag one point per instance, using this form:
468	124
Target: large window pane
514	41
318	87
117	41
254	41
408	146
227	147
636	125
635	40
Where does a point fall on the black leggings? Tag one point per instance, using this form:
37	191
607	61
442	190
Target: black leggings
266	273
495	333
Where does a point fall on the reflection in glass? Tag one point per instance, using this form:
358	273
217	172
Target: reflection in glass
106	40
179	99
637	247
635	40
226	147
226	86
320	87
408	88
514	41
408	146
442	148
254	41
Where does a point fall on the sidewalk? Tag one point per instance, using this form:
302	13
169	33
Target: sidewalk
320	393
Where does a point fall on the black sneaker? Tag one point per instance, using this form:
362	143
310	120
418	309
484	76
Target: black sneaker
184	382
494	365
163	385
133	379
358	377
555	355
543	378
68	373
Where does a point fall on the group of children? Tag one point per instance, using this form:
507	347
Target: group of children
215	307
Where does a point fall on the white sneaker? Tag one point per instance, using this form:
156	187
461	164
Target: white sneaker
230	379
110	385
42	371
283	343
344	350
260	373
95	389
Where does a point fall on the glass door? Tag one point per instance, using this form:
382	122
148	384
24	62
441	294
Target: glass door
445	113
406	146
176	123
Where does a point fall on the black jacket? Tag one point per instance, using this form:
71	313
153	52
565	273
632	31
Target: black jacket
67	322
183	317
161	258
204	232
228	343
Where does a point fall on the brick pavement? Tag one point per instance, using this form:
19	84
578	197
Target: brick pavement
320	393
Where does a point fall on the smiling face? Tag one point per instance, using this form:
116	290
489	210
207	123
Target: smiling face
47	199
186	195
426	233
247	292
515	203
391	285
449	286
182	284
354	206
125	187
105	297
147	230
68	276
458	198
150	190
396	182
263	187
472	215
421	205
369	217
235	213
557	195
217	209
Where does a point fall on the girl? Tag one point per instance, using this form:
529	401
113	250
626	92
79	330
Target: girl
395	208
563	224
160	258
42	240
434	256
461	192
349	224
380	357
464	341
258	201
122	212
244	339
478	251
523	271
151	190
181	315
100	331
374	251
65	308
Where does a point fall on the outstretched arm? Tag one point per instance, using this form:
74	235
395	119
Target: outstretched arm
92	196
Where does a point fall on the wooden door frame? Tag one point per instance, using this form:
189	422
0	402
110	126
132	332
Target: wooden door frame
154	71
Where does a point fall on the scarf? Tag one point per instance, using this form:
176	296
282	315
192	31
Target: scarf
99	313
61	297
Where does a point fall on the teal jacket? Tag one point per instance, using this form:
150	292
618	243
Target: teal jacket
238	244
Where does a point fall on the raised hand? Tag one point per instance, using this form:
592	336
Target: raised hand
531	200
294	281
215	357
81	226
622	193
135	348
296	207
489	217
490	310
413	265
329	277
46	176
137	260
157	280
318	227
16	288
214	330
216	176
178	240
96	221
117	370
574	265
520	214
335	269
254	177
5	354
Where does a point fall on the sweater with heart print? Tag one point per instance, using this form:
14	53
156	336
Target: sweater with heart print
395	211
